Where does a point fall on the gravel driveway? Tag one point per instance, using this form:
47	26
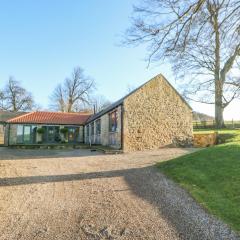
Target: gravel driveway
47	194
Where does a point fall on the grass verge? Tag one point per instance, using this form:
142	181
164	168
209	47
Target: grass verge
212	177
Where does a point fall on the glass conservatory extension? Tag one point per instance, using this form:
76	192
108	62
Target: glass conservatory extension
44	134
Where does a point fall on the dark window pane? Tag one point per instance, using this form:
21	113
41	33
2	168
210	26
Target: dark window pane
34	134
51	134
73	133
98	126
45	134
92	128
87	130
113	121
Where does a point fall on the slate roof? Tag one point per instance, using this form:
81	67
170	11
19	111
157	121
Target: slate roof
52	118
6	115
105	110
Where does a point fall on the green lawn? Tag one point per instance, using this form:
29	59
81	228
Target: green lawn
212	176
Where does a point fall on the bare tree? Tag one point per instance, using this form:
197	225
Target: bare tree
201	38
15	98
99	103
57	99
1	99
74	94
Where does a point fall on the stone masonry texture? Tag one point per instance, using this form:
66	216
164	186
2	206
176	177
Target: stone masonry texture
155	116
1	134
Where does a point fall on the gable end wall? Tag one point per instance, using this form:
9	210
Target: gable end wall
156	116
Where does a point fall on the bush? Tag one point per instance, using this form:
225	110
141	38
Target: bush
40	130
64	130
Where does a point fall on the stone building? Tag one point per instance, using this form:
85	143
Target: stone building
152	116
4	117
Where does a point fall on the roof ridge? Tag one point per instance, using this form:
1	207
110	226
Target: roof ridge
63	112
120	101
50	118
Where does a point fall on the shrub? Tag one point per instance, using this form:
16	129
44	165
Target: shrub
64	130
40	130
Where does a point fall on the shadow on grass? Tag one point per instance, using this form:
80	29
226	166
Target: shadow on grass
226	137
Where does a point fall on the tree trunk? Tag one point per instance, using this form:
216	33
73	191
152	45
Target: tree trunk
69	108
219	110
218	81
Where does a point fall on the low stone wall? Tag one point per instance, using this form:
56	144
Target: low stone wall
205	139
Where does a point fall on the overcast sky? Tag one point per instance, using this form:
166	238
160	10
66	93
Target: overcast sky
42	41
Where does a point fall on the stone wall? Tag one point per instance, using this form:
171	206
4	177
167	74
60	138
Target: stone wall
6	131
205	139
156	116
1	134
13	134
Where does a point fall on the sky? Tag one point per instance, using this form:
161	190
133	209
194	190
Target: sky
42	41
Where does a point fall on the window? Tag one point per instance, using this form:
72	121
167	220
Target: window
73	133
51	134
34	134
19	133
92	128
113	121
27	134
98	127
87	130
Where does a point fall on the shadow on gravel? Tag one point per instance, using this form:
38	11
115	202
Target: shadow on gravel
174	204
24	154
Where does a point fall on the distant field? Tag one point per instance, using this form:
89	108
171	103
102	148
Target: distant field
211	124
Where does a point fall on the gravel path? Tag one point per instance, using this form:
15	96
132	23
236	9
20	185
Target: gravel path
82	195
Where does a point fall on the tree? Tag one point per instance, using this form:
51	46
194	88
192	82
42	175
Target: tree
74	94
15	98
99	102
57	99
1	99
200	38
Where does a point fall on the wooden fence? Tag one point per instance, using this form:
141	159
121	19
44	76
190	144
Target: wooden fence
211	124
